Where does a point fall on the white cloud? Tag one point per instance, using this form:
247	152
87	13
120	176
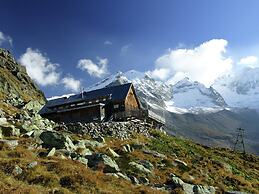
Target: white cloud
71	84
161	73
107	42
250	61
4	38
125	49
95	70
39	67
203	63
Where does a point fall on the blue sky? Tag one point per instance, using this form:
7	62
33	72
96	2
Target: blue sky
120	35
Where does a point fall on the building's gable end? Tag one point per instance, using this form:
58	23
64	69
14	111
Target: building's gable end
131	100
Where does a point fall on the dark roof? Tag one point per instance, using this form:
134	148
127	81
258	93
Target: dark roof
117	93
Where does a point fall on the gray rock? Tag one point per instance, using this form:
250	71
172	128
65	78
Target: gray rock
51	152
112	174
33	105
134	180
3	122
113	153
147	164
69	144
110	166
84	152
180	162
140	168
123	176
32	164
154	153
92	144
83	160
52	139
198	189
143	180
189	188
17	170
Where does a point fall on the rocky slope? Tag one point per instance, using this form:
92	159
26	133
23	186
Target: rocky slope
16	87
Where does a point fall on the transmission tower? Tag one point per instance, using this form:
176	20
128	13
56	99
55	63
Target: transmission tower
240	139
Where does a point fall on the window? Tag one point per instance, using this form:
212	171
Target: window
116	106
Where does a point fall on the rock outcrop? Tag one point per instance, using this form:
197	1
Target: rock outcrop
16	87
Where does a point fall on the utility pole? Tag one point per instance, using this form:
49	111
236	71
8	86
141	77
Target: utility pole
240	139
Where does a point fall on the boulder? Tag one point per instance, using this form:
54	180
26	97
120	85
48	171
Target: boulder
51	152
123	176
134	180
92	143
17	170
33	106
147	164
140	168
83	160
198	189
143	180
69	144
113	153
32	164
176	182
84	152
180	162
3	121
110	166
154	153
52	139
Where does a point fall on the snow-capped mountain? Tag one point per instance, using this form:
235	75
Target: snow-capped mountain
240	89
184	96
194	97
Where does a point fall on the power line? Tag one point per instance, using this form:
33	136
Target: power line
240	140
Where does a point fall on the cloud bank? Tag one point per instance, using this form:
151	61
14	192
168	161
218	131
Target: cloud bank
203	63
98	69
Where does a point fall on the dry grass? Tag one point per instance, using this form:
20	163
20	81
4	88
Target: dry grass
55	175
206	166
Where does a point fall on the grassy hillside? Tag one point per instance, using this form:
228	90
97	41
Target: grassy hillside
220	168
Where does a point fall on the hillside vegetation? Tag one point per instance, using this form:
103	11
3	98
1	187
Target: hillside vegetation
163	155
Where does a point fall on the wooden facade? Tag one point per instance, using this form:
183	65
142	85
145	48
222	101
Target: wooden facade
93	106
